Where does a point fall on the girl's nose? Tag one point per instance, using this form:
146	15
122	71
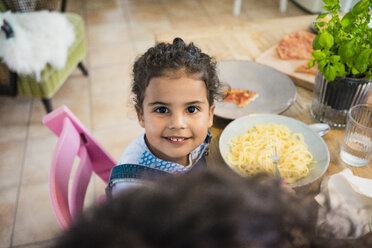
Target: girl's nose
177	121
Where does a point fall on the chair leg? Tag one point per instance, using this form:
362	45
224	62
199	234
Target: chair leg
63	5
47	102
11	89
83	69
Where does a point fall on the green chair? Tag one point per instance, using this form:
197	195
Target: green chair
12	84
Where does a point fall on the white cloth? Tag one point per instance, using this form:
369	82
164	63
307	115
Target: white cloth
345	206
138	153
40	37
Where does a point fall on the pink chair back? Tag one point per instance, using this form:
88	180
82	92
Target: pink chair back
74	141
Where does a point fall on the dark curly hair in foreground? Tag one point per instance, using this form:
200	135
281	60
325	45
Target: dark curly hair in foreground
174	59
200	209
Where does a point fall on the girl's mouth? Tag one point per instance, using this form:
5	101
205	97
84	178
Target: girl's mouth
176	140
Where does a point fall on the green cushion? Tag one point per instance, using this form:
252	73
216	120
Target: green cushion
2	6
52	79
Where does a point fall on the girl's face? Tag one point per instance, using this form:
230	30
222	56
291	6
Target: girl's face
176	116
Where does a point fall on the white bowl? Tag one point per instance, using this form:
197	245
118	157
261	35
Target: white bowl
315	143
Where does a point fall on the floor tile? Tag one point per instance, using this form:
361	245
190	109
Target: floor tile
228	19
75	5
134	5
111	78
269	10
104	34
104	16
142	45
40	244
73	87
35	220
139	31
14	115
111	54
75	94
11	158
147	14
184	9
38	158
7	206
90	199
186	23
146	21
111	110
99	189
116	139
99	4
220	7
36	127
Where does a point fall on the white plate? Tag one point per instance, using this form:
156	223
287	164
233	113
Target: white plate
315	143
276	90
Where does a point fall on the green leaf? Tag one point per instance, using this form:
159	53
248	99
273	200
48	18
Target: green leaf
316	45
354	71
334	59
362	60
329	72
318	55
368	74
329	2
346	50
321	65
340	68
322	24
362	5
321	16
347	19
327	8
311	63
326	40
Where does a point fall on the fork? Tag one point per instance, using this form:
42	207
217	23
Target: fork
276	159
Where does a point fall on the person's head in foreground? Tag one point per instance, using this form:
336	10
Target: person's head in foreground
200	209
174	88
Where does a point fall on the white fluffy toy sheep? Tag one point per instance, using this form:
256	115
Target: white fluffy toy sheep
28	41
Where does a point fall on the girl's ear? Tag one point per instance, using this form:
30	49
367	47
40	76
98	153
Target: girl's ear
211	113
140	116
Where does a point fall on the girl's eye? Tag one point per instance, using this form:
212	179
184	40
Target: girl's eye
191	109
161	110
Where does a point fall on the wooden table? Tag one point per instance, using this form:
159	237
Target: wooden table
247	42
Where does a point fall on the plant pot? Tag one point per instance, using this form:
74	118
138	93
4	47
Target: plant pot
332	100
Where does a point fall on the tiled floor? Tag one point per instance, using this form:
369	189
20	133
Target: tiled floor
117	31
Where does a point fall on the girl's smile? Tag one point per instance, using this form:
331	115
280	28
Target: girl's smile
177	140
176	116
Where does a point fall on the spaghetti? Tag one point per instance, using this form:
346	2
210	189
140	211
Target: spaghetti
251	152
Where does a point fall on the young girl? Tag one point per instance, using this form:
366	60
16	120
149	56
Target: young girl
174	88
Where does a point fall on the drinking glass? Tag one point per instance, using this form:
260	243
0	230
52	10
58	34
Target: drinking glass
356	149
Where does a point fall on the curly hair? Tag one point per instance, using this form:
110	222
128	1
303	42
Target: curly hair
201	209
165	59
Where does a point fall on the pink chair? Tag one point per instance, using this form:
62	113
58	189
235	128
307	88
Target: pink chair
74	140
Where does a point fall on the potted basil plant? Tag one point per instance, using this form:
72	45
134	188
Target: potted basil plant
343	53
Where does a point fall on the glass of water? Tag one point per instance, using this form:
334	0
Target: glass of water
356	149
